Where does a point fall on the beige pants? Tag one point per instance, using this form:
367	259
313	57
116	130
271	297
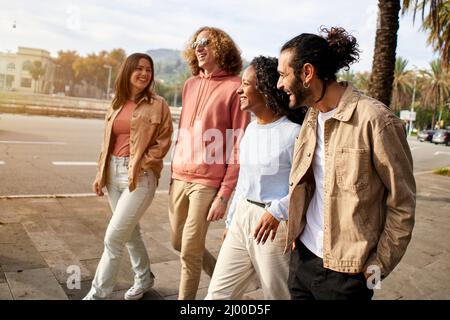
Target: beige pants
189	205
240	258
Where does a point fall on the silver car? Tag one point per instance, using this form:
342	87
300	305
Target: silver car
441	136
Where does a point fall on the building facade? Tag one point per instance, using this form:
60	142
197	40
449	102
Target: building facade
16	71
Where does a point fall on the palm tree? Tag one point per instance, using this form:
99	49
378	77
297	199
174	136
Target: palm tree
362	81
347	75
436	90
439	38
437	23
401	88
382	76
37	71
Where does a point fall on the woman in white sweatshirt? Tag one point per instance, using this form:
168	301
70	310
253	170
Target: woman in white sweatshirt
258	211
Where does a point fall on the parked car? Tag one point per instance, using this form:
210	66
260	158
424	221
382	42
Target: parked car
442	136
425	135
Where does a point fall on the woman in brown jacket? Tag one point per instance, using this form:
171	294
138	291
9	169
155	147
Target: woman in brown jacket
137	136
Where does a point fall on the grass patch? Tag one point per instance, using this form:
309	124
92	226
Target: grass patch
442	171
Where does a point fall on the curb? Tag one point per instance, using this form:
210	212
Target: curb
63	195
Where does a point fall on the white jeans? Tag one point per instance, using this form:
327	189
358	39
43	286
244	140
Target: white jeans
240	259
123	228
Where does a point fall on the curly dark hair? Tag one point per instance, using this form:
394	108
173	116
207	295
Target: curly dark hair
226	52
266	82
328	54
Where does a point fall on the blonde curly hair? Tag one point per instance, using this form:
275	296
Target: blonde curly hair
227	54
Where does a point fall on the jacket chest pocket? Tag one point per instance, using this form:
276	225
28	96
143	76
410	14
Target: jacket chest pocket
147	125
352	169
148	120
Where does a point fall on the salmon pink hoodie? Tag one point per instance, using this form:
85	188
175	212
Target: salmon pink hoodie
211	126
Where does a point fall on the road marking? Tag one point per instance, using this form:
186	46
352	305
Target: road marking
84	163
441	152
31	142
415	148
74	163
63	195
422	172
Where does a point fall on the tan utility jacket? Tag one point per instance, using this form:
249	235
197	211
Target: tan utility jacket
369	187
150	139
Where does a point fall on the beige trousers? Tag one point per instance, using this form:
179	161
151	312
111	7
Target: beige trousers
189	204
240	258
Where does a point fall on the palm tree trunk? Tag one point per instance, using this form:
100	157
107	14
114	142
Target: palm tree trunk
382	77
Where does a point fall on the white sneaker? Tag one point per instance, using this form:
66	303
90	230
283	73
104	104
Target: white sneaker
136	293
90	296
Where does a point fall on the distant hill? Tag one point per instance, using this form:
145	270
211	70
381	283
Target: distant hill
169	64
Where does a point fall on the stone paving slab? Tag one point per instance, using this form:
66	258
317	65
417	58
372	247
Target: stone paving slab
5	292
42	237
35	284
59	262
20	256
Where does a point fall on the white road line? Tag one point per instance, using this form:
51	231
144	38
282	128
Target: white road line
74	163
83	163
441	152
31	142
63	195
422	172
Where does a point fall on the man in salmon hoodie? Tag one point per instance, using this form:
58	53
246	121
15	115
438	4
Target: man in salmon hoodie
204	166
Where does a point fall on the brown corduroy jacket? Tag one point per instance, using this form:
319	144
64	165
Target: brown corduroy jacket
369	187
150	139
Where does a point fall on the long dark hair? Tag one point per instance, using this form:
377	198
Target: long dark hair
266	82
122	84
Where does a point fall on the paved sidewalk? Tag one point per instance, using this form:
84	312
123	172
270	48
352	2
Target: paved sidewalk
41	238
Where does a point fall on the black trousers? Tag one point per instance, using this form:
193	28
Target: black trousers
309	280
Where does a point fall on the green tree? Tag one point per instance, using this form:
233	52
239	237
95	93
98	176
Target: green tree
362	81
436	89
436	22
91	70
402	85
36	70
115	58
346	75
64	70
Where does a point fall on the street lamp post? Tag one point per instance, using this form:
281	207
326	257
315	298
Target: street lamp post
107	66
412	105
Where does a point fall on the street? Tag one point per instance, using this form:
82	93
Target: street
41	237
50	155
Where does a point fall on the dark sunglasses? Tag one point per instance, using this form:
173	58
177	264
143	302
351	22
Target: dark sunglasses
201	42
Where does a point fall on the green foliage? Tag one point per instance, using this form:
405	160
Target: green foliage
36	70
443	171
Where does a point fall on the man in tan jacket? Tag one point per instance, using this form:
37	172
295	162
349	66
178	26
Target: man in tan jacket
352	189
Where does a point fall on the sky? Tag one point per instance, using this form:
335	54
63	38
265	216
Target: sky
257	26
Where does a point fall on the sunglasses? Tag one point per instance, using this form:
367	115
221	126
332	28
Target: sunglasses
201	42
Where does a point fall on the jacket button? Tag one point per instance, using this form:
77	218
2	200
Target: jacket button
309	154
291	184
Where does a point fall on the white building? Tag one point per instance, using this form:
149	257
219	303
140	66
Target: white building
14	75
